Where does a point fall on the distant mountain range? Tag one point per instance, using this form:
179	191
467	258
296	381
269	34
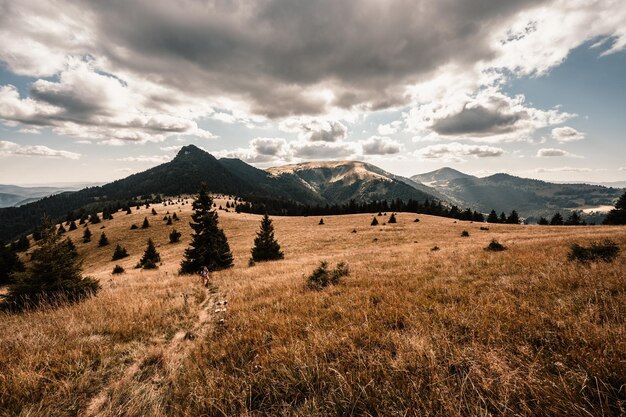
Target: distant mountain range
311	183
14	195
504	192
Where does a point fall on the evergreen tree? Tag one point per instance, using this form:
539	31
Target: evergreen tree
150	257
374	222
146	223
169	221
557	219
574	219
103	240
73	226
87	235
209	246
513	218
61	230
618	214
392	219
321	221
129	211
119	253
154	212
174	236
53	276
502	218
9	263
71	247
493	217
20	245
94	218
266	248
175	217
543	221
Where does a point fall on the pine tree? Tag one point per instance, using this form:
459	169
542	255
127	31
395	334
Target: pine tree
146	223
618	214
150	257
119	253
73	226
20	245
266	248
574	219
321	221
557	219
374	222
94	218
54	275
61	230
154	212
543	221
128	210
169	221
392	219
9	264
209	246
502	218
71	247
87	235
493	217
174	236
103	240
513	218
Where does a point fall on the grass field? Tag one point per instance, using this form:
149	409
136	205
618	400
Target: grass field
409	332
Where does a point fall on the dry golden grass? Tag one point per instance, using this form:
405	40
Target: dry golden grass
460	331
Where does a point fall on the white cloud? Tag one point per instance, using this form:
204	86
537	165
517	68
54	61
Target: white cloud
146	158
380	145
390	128
567	134
551	152
456	151
565	169
11	148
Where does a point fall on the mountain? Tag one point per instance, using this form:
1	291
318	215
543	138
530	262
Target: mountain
334	183
338	182
14	195
504	192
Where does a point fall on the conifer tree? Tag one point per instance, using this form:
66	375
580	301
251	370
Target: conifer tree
94	218
174	236
169	221
618	214
61	229
209	246
502	218
20	245
574	219
119	253
73	226
374	222
154	212
53	276
321	221
103	240
392	218
513	218
557	219
150	257
146	223
128	210
71	247
87	235
175	217
9	264
543	221
493	217
266	248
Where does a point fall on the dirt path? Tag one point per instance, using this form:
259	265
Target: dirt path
142	388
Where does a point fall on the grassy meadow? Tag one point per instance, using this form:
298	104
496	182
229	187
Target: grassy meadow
409	332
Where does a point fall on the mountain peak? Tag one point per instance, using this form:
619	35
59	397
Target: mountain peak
190	150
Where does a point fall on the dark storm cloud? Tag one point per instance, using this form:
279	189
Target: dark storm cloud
273	53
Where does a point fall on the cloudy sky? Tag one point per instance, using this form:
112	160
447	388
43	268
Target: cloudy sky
94	91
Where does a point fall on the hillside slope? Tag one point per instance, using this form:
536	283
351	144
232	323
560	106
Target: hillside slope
504	192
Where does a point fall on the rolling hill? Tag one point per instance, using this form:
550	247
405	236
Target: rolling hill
504	192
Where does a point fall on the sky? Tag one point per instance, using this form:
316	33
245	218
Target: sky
94	91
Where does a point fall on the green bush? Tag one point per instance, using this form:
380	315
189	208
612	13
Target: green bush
322	277
118	270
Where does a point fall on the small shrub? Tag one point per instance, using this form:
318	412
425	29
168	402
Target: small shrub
464	233
321	222
322	277
605	251
353	230
495	246
434	249
416	221
119	253
118	269
174	236
484	228
134	227
149	264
